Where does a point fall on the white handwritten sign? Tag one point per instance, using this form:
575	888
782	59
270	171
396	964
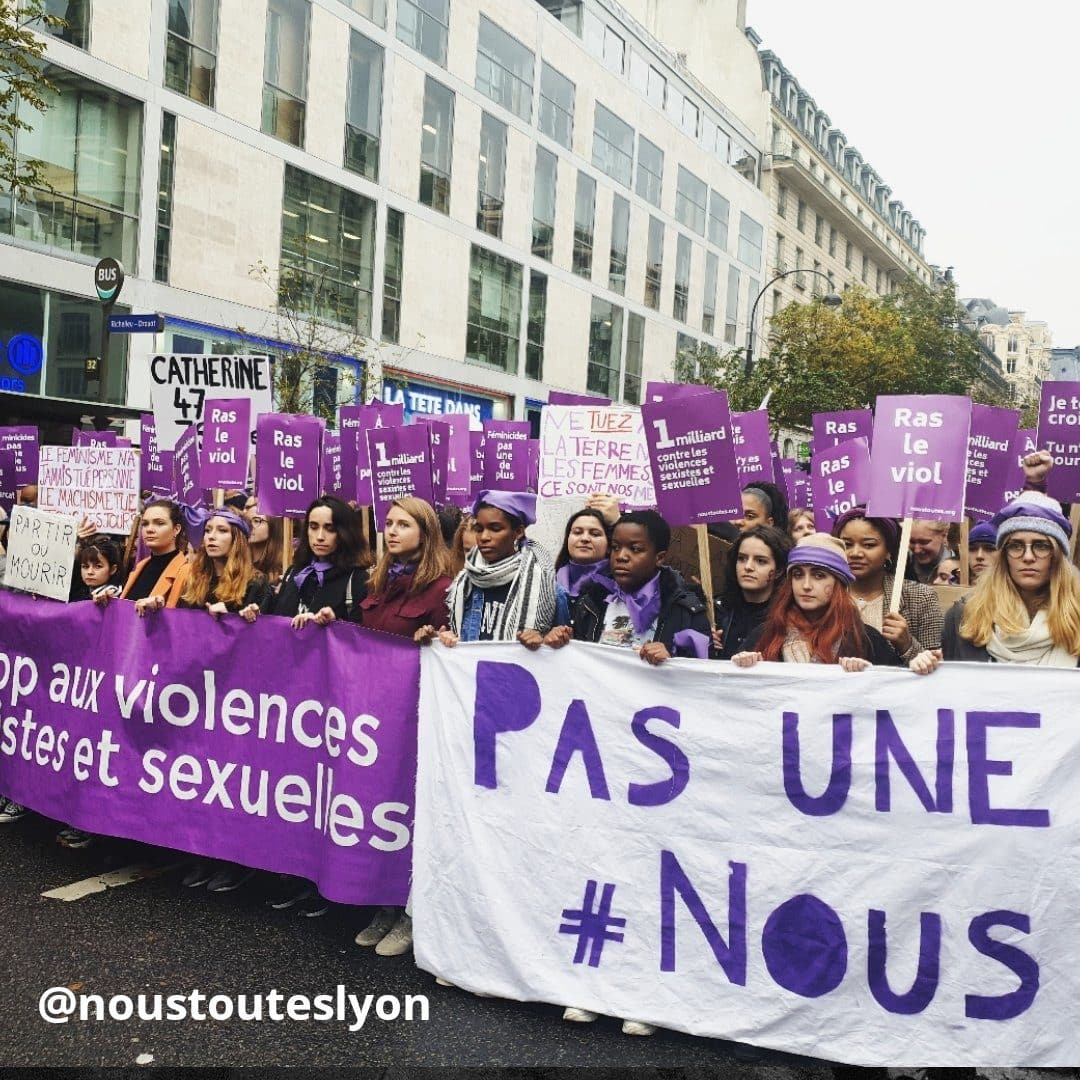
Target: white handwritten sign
100	482
41	552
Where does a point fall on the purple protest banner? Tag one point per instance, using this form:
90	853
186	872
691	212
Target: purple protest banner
1024	442
93	438
458	481
506	454
991	461
253	744
287	449
751	439
353	421
440	454
226	442
664	391
330	475
919	454
187	483
23	443
840	480
400	465
476	463
693	458
155	464
831	428
9	489
557	397
1059	433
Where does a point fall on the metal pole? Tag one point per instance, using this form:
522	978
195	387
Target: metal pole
103	360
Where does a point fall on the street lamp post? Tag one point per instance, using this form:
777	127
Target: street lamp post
830	299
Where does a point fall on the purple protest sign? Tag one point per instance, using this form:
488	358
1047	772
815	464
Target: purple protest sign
187	483
23	443
330	475
991	461
476	463
287	449
832	428
1059	433
919	455
506	454
693	458
458	481
840	480
93	438
155	464
752	441
221	753
9	488
1024	442
440	455
226	442
557	397
353	421
400	465
664	391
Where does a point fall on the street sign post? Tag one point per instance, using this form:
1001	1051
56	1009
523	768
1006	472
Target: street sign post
108	281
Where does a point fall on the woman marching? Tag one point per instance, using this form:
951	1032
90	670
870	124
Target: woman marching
406	596
755	565
814	619
267	543
158	581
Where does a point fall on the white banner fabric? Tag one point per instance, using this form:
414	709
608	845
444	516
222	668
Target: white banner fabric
874	868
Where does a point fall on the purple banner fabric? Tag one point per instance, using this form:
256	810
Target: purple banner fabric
93	438
290	752
23	443
226	442
440	455
557	397
331	479
400	465
840	479
656	392
476	463
155	464
832	428
187	485
353	421
991	460
506	454
9	489
751	439
287	451
1059	432
919	454
693	458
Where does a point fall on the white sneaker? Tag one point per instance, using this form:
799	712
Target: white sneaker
11	811
399	940
579	1016
638	1027
378	928
440	981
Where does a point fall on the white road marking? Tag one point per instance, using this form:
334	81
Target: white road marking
126	875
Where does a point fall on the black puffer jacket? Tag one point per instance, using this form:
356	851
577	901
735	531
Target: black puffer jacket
341	590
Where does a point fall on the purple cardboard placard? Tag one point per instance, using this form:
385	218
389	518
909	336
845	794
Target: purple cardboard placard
400	465
840	479
476	464
752	441
440	455
656	392
353	421
155	465
991	460
226	442
506	454
93	438
832	428
693	458
917	465
1024	442
1059	433
23	443
287	450
458	460
331	480
9	488
557	397
187	484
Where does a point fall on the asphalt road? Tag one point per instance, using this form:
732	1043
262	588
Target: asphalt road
154	936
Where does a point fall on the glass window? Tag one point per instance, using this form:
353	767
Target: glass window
393	271
708	307
534	343
819	229
491	187
800	277
613	146
494	327
847	254
691	196
327	251
504	69
620	243
691	118
285	70
654	263
750	239
635	354
75	29
781	200
605	348
685	345
731	318
375	10
436	146
614	51
545	185
650	171
657	88
191	49
425	26
163	239
719	211
779	264
683	250
832	240
568	12
363	119
556	106
584	218
88	139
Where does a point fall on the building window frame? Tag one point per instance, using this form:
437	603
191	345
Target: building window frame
363	106
424	25
556	119
505	69
491	178
545	202
584	225
437	145
613	146
185	56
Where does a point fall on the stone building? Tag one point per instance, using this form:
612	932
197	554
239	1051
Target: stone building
1023	346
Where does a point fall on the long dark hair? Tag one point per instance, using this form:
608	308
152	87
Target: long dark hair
564	551
176	516
779	543
779	508
350	550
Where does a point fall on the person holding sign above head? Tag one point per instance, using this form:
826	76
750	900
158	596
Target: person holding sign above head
982	550
1026	608
814	620
158	581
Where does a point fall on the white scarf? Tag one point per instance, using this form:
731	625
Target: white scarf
1031	646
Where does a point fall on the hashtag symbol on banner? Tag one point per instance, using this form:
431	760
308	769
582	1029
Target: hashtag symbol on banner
592	924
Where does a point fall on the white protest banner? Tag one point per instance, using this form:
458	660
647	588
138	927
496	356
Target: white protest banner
180	384
873	868
584	449
100	482
41	552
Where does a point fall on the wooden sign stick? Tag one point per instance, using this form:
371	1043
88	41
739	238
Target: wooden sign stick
965	532
901	564
705	572
286	544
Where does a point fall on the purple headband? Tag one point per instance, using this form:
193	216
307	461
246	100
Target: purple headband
518	504
886	526
812	555
232	518
196	517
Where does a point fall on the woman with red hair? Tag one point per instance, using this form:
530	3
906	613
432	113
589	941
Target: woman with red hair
813	619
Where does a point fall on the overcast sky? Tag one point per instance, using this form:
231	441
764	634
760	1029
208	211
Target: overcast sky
965	109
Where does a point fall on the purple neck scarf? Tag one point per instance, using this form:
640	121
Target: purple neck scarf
574	577
643	605
401	569
318	567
